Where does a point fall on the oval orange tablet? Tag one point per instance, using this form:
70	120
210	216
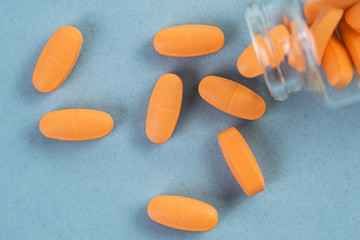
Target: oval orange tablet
57	59
164	108
76	124
337	64
241	161
189	40
352	17
248	63
322	29
232	98
313	7
182	213
351	40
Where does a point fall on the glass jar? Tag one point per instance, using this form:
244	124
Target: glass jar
285	77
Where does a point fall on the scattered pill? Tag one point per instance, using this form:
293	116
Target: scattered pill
322	29
241	161
352	17
232	98
57	59
164	108
76	124
351	40
182	213
248	63
313	7
337	64
189	40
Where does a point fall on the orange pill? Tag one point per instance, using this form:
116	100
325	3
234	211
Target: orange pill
241	161
352	17
313	7
57	59
351	40
322	29
232	98
76	124
189	40
164	108
248	63
182	213
337	64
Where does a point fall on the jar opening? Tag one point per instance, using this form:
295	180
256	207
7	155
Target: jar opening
281	41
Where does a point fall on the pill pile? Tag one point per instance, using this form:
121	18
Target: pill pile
333	38
58	59
226	95
334	34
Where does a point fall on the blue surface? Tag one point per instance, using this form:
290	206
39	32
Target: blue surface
99	189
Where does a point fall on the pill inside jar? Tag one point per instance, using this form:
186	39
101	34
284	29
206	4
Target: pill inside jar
316	51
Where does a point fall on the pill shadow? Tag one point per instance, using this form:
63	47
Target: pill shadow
148	53
158	231
266	150
191	192
24	86
191	98
88	29
138	121
230	29
55	147
228	191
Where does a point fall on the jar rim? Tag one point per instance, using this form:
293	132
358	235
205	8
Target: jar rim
280	78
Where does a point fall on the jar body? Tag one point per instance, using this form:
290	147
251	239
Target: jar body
296	68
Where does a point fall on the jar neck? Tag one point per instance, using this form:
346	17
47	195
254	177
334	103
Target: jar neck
281	41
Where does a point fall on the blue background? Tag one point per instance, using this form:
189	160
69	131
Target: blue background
99	189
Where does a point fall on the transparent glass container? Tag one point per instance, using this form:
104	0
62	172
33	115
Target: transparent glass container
284	78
